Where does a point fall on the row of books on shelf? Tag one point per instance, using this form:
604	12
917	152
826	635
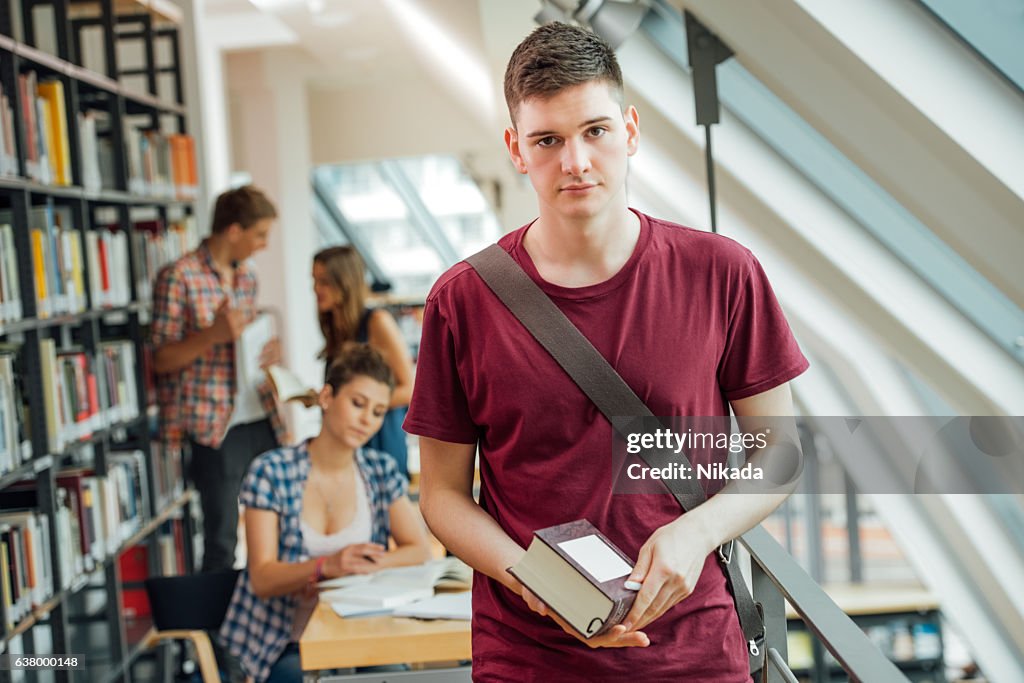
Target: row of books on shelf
159	164
82	394
8	150
44	116
136	567
15	444
59	260
168	474
94	517
901	640
10	288
155	245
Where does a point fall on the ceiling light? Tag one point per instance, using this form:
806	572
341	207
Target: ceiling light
613	20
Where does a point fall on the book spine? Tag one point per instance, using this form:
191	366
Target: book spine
620	608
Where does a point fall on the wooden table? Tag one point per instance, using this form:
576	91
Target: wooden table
331	642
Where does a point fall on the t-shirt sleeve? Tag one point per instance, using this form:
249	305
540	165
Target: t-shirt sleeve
169	301
259	488
439	408
760	350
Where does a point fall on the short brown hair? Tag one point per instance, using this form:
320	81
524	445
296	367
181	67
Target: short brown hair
356	360
557	56
243	205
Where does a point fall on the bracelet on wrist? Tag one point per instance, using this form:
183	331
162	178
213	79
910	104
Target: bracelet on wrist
318	571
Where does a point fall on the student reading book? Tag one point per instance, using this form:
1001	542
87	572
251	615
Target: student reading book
320	510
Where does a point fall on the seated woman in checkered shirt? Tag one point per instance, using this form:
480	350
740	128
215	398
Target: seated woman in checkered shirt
319	510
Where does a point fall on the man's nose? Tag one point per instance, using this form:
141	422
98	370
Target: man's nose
575	159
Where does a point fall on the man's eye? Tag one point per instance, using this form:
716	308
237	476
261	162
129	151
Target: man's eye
597	132
546	142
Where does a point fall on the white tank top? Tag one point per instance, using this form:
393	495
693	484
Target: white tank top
359	530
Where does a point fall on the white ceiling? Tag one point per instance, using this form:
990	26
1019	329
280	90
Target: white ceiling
353	41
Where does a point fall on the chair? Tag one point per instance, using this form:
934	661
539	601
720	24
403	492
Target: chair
186	607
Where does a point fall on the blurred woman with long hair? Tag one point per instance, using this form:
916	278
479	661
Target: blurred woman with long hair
339	282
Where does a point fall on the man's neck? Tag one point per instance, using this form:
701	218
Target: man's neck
220	252
582	253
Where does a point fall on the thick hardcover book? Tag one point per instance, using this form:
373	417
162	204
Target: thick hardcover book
579	574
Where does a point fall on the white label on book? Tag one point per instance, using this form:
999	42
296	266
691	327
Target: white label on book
596	558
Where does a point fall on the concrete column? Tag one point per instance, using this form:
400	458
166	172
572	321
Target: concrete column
202	62
269	105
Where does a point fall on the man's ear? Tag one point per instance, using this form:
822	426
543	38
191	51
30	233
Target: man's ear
512	143
632	120
234	231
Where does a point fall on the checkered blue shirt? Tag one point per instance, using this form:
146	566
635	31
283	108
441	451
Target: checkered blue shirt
256	631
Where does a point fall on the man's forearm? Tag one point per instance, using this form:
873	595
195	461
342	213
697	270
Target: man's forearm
174	356
276	578
737	508
470	533
728	515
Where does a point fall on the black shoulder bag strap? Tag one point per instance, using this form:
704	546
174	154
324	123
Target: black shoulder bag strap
613	397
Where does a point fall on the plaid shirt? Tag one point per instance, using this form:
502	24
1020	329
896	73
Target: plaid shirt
198	400
256	631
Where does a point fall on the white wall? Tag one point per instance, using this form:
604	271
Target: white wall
269	123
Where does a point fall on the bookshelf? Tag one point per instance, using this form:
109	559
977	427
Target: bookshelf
97	182
903	621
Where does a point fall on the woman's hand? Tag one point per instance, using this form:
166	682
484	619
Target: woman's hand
617	636
358	558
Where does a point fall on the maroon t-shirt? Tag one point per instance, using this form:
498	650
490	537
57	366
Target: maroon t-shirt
690	322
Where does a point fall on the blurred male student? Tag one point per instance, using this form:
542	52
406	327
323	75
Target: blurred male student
202	304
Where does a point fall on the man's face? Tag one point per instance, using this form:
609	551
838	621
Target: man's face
247	241
574	146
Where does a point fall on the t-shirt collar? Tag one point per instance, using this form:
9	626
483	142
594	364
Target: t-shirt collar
590	291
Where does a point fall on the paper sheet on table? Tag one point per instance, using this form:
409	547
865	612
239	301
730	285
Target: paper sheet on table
457	606
348	610
344	581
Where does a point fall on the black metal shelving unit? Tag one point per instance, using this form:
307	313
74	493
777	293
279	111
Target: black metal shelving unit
86	618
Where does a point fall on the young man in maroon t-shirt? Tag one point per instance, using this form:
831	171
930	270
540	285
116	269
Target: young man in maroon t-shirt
689	321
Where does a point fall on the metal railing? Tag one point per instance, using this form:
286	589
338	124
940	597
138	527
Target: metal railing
777	578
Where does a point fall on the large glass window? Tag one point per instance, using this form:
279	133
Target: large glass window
850	188
410	218
994	28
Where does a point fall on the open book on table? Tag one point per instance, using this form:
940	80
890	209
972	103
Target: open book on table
390	588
